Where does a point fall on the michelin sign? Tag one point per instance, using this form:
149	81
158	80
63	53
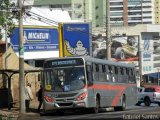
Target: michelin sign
36	39
76	39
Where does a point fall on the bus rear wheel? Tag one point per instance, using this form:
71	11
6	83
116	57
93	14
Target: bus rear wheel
123	107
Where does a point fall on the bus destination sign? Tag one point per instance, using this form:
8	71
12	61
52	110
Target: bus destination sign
67	62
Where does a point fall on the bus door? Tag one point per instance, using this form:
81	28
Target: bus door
90	85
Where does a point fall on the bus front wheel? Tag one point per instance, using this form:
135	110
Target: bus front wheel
96	108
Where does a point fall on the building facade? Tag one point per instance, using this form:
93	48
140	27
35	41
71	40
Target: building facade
86	10
122	12
156	13
131	12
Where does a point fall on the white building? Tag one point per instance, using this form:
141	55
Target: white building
131	12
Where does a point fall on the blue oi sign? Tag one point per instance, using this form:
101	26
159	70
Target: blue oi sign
36	39
76	39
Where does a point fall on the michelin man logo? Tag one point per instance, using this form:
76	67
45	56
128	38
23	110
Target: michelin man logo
79	50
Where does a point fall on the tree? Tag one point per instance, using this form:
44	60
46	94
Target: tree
8	13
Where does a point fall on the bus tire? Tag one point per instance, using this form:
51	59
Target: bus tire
123	107
96	108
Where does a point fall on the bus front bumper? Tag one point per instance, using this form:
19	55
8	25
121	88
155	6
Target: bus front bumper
65	105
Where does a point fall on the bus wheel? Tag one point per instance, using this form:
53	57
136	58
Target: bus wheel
96	109
123	107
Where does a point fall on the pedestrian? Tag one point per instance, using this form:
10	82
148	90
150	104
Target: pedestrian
40	97
29	97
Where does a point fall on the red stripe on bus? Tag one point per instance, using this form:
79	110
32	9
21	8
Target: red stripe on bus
114	88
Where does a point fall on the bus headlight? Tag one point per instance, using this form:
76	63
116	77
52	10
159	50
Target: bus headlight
49	99
81	96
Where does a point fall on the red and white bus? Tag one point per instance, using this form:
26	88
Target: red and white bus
86	82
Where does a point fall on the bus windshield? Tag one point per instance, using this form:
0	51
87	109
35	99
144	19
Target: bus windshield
64	79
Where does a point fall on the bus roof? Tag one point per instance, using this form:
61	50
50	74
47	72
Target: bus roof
97	60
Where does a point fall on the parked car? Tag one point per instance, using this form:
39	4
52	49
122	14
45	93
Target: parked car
149	95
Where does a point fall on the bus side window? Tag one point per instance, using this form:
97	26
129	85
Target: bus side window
107	73
116	72
89	75
94	71
97	67
100	68
131	76
122	71
122	78
113	77
110	68
103	68
102	73
125	76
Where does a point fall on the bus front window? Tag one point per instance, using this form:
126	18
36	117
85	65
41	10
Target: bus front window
65	79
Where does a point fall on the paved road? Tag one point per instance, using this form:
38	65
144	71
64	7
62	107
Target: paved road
132	113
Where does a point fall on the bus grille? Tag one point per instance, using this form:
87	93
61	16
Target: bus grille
65	104
64	95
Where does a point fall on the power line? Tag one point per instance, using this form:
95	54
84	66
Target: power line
41	18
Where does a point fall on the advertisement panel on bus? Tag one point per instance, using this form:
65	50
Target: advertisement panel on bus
36	39
76	39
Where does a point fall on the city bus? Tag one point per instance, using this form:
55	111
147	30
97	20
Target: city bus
88	83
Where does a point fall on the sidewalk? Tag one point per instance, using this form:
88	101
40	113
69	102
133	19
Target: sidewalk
14	114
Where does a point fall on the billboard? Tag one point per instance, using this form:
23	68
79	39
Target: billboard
36	39
147	53
123	48
75	39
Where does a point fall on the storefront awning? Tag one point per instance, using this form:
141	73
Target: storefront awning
154	75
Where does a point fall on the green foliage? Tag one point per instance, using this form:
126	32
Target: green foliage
6	16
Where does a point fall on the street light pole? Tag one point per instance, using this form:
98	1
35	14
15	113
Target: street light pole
108	49
158	76
21	60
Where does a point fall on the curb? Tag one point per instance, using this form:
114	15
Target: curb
8	117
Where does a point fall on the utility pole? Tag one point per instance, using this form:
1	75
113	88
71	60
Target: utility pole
140	61
108	47
158	77
21	60
6	41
